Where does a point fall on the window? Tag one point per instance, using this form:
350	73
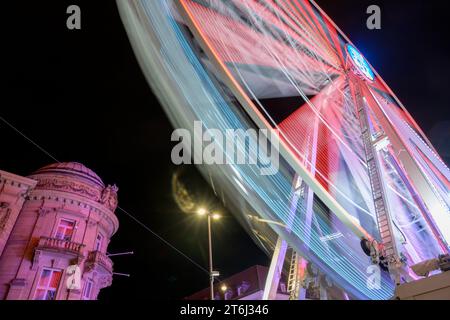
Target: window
87	290
48	284
65	230
98	242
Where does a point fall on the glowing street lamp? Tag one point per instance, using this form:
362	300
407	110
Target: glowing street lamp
212	274
216	216
201	211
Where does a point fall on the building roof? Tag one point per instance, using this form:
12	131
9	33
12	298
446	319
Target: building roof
240	285
73	169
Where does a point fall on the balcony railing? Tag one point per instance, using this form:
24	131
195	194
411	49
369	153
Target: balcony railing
59	245
97	258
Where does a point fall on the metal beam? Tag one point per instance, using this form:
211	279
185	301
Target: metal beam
275	270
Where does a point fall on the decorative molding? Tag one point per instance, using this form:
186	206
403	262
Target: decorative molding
105	281
99	262
107	217
16	180
36	258
70	186
56	246
109	197
26	194
18	282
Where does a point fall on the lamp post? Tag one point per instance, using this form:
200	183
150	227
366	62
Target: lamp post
212	273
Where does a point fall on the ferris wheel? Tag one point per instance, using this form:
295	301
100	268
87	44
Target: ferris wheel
354	163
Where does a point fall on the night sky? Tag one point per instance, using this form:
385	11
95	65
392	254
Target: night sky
82	97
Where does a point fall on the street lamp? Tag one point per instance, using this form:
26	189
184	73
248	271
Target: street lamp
212	274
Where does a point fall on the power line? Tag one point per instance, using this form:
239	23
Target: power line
118	207
161	238
29	140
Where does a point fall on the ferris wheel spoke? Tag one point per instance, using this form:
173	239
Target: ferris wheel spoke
305	28
411	136
253	50
325	29
379	86
295	41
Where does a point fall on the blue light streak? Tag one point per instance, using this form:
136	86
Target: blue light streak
343	261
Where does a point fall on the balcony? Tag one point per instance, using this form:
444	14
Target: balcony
60	246
99	261
57	247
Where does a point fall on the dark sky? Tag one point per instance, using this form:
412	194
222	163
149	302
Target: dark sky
82	97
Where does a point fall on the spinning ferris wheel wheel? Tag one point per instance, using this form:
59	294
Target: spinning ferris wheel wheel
354	165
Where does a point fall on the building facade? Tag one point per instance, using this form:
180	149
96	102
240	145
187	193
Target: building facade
55	227
246	285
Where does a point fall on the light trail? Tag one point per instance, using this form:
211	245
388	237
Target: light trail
220	61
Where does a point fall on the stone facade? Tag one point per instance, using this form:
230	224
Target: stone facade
60	230
13	191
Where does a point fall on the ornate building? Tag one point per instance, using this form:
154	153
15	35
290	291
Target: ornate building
55	227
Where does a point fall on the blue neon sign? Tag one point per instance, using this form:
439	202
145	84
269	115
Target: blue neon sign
360	62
